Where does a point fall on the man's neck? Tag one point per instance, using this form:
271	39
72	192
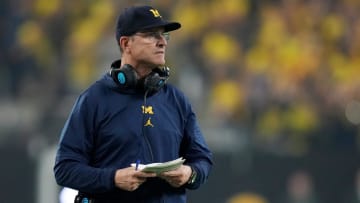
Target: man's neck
141	69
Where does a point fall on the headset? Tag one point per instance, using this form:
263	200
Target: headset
126	77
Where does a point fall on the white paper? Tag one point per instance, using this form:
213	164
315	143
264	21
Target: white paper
160	167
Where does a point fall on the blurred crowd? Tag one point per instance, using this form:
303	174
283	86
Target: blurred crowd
283	72
278	76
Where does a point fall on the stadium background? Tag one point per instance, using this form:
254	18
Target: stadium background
275	84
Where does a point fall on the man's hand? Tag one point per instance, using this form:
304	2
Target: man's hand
177	177
129	179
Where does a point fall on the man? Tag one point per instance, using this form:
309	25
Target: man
131	115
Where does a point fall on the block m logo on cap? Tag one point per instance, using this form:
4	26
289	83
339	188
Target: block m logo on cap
155	13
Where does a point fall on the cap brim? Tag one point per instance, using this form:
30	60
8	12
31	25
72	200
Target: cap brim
172	26
168	26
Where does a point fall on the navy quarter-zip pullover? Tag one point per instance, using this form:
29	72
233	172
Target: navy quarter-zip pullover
109	128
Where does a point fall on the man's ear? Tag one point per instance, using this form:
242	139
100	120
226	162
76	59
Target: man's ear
124	43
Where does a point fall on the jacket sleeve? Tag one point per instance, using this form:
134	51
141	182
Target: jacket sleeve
195	150
73	159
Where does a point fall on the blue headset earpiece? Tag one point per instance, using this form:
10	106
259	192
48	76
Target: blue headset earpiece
121	78
125	76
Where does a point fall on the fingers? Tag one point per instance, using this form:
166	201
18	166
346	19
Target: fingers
128	179
178	177
134	186
139	178
175	183
141	174
131	186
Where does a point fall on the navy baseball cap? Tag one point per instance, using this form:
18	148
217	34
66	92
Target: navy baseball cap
137	18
